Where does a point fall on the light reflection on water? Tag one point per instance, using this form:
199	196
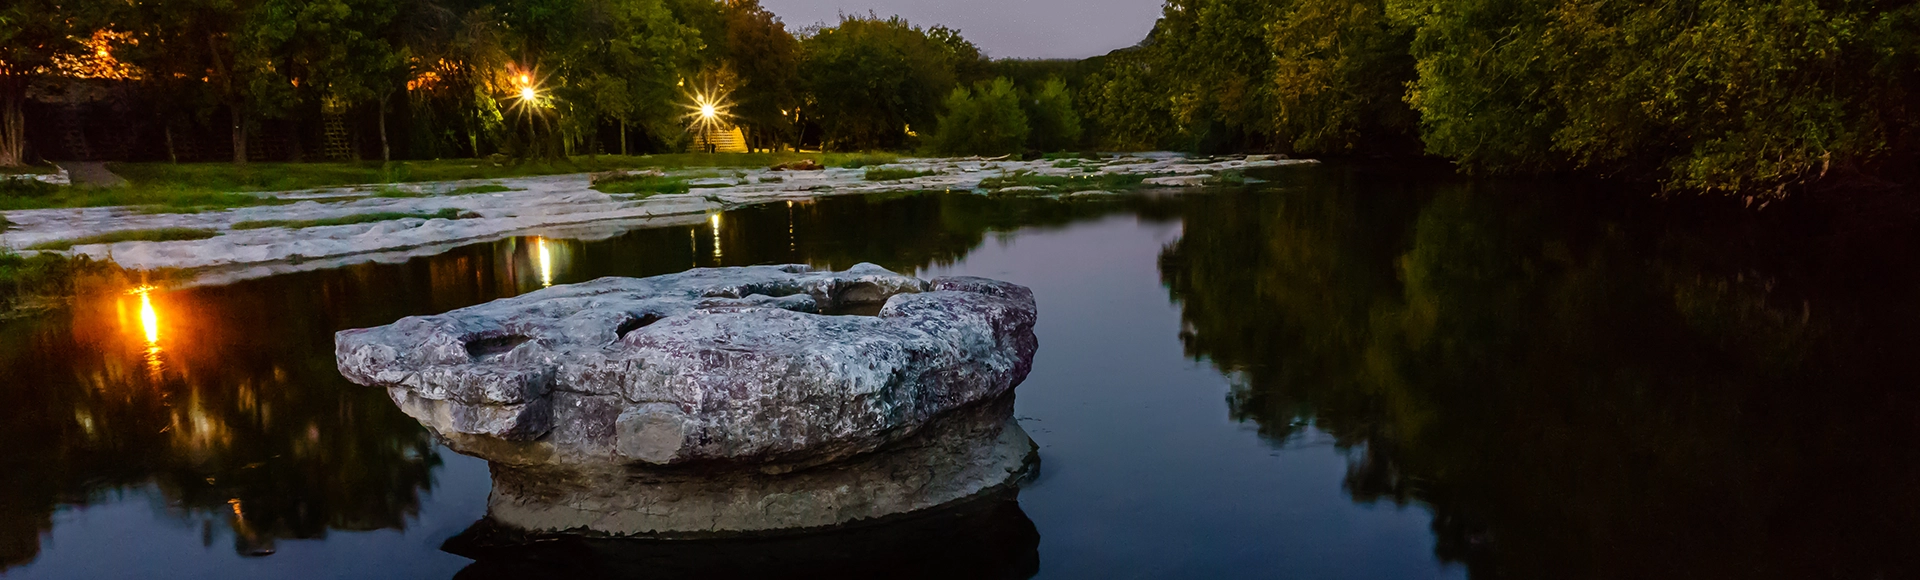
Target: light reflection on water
546	262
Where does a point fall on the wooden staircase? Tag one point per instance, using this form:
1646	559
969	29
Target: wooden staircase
727	140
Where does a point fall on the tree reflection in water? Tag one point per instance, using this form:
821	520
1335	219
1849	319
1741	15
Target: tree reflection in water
233	414
1576	388
206	406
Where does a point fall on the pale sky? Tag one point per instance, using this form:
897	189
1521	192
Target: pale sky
1002	28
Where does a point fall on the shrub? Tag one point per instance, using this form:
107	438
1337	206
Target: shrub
1055	125
987	120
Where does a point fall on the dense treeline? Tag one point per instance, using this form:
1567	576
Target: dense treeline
1759	97
1756	96
468	78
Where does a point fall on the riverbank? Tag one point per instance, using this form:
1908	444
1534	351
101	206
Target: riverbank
179	187
32	283
228	245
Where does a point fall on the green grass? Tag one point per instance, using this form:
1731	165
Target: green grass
1065	183
154	199
1064	155
187	187
42	169
1229	177
4	224
856	160
643	184
394	191
26	188
40	281
446	214
894	174
482	188
152	235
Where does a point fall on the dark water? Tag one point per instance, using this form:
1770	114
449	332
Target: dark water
1347	373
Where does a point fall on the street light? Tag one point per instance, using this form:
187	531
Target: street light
708	114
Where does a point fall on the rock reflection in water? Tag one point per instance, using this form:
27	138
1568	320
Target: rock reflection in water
987	538
971	452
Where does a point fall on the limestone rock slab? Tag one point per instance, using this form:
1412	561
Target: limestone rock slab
773	367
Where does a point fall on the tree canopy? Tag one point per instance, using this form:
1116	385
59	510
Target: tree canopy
1754	97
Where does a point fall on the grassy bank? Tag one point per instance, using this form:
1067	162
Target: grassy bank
39	282
445	214
152	235
42	169
885	174
1066	183
167	197
643	184
184	187
255	177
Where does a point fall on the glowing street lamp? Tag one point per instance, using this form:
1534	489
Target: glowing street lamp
526	89
708	112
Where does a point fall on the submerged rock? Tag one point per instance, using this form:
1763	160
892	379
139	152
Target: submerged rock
764	397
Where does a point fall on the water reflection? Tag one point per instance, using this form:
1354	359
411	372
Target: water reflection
224	406
150	327
1574	393
986	538
546	262
226	418
1572	386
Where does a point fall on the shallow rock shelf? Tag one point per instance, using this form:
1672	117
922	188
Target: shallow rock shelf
552	205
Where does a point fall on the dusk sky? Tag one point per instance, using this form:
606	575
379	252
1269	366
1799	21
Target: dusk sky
1002	28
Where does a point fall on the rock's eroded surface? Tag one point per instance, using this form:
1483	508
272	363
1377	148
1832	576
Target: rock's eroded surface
717	400
728	364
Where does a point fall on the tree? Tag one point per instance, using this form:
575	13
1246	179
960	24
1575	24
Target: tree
870	80
341	50
1719	96
987	120
229	46
1340	69
1055	125
1219	68
765	60
1126	105
32	34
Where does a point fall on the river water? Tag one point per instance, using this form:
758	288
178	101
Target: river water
1347	372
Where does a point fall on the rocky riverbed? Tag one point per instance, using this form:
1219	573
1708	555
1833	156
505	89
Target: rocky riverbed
560	206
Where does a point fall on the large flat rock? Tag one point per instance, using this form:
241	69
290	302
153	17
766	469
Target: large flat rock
774	368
